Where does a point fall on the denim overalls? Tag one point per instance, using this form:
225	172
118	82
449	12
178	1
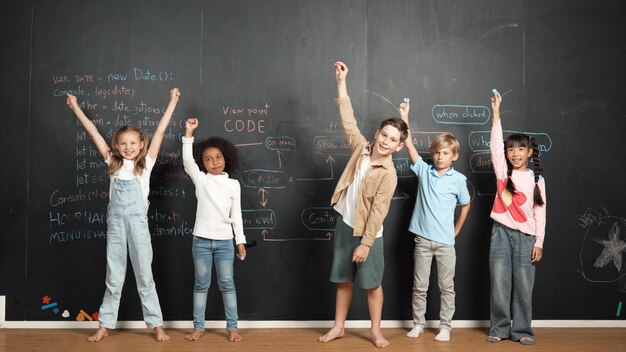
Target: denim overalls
128	233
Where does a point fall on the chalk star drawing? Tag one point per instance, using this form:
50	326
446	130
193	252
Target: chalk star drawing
612	251
603	242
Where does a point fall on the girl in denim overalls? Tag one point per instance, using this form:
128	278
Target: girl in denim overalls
218	220
130	159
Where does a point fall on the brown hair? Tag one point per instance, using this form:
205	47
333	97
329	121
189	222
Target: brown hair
397	123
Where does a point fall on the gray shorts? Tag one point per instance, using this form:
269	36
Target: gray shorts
368	273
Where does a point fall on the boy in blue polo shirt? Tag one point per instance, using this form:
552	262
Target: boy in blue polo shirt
439	190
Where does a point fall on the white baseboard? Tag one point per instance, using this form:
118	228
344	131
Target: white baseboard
305	324
3	302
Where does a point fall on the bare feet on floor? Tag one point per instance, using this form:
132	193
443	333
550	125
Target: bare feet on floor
99	335
160	334
379	340
332	334
195	335
233	336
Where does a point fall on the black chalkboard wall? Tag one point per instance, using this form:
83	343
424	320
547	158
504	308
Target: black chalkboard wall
260	74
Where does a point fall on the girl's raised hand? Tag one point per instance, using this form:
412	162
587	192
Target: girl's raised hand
341	71
496	100
71	101
174	94
191	123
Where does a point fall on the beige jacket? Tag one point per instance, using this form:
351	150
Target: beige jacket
379	182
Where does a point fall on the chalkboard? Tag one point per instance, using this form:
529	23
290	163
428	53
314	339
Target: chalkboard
260	74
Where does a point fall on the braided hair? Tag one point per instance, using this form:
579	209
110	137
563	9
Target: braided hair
523	140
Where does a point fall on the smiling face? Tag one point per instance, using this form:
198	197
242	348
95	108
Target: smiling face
213	161
387	141
129	144
518	148
518	156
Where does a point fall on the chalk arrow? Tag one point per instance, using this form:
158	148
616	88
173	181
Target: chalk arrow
263	199
330	160
280	158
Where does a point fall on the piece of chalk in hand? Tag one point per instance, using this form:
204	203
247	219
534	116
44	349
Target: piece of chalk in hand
494	91
406	100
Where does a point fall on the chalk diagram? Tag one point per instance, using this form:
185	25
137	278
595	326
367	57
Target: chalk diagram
265	181
603	248
318	221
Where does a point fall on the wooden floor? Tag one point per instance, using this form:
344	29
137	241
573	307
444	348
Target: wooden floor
305	340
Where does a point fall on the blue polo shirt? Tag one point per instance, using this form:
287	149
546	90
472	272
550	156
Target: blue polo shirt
437	197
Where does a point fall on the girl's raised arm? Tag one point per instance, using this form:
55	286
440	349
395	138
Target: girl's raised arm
496	100
157	139
100	143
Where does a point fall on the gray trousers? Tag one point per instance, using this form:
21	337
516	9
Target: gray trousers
446	261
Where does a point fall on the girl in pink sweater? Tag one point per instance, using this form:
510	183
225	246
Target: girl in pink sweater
519	214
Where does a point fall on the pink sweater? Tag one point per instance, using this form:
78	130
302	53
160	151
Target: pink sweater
518	211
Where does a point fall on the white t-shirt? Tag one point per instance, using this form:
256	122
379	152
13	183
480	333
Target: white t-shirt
346	206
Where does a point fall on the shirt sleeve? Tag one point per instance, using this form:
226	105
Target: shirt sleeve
235	214
418	166
190	166
463	197
149	164
539	213
348	121
496	146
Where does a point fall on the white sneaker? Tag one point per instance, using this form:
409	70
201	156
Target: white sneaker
415	332
443	335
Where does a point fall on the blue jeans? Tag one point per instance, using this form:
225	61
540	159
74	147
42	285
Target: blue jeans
128	235
445	255
511	272
205	251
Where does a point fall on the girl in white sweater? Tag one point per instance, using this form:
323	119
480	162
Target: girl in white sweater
218	220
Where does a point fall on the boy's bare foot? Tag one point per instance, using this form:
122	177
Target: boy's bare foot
379	340
195	335
99	335
161	336
233	336
332	334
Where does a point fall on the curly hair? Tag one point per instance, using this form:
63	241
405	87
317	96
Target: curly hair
229	151
523	140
